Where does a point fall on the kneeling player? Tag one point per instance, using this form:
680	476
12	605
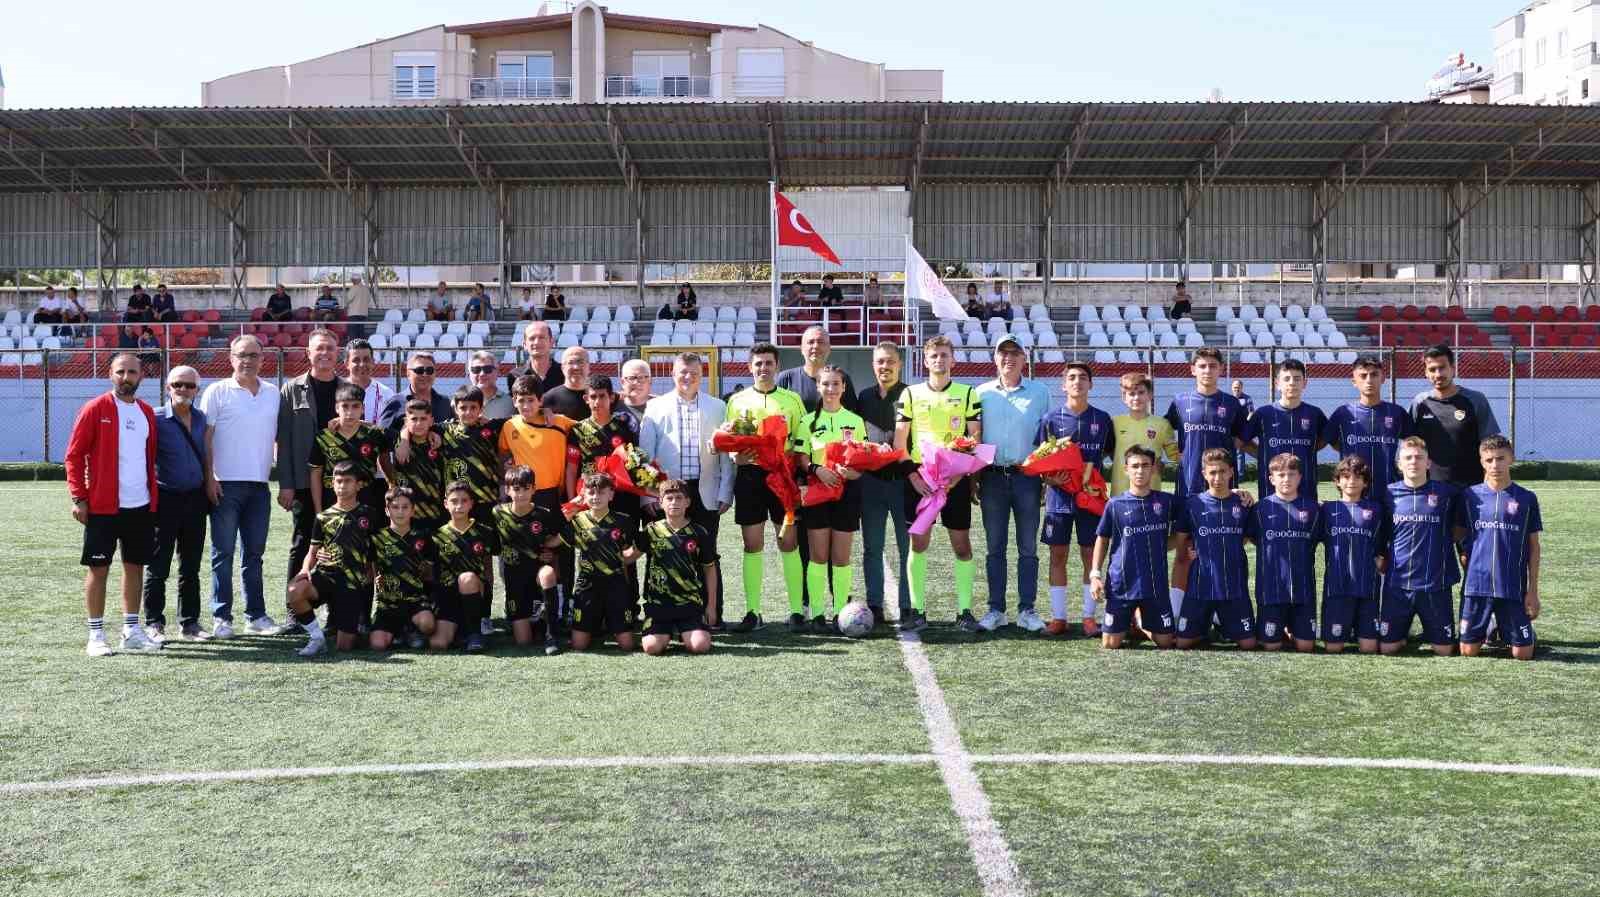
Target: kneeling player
1353	547
682	560
466	547
528	535
1214	523
1283	526
338	568
1135	531
1503	556
602	601
405	560
1422	566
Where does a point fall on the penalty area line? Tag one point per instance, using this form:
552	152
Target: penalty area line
1289	760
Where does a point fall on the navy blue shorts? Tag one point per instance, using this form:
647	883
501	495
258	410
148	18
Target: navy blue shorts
1280	620
1345	617
1155	615
1510	615
1434	609
1058	527
1236	615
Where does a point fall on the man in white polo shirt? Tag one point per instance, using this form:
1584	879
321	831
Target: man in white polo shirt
243	412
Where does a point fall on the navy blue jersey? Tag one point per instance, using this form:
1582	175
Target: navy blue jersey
1220	571
1373	434
1203	423
1352	535
1500	524
1422	557
1275	430
1091	431
1138	530
1285	532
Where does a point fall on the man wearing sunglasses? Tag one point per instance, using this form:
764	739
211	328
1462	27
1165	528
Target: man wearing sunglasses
484	369
181	509
420	374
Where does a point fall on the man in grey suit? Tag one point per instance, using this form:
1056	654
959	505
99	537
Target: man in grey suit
677	434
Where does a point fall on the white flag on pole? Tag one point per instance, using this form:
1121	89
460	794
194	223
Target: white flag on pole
923	283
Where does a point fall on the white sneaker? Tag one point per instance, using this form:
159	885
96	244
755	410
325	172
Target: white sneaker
1030	620
314	647
221	629
263	625
97	647
486	626
136	640
157	634
992	620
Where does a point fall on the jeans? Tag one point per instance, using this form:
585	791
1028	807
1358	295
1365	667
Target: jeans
881	502
180	524
1007	493
244	513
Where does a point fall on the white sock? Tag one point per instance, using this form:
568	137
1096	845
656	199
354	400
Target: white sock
1088	603
314	630
1177	601
97	629
1058	603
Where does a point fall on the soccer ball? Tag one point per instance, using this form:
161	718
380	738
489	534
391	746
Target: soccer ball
855	619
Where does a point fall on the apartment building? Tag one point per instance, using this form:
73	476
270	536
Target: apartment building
1547	54
584	53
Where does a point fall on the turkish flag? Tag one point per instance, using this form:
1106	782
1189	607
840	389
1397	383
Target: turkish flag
795	230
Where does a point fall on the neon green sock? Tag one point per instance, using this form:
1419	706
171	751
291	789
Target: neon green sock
918	568
817	586
793	577
842	576
754	568
965	571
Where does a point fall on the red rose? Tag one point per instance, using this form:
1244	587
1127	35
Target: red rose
572	454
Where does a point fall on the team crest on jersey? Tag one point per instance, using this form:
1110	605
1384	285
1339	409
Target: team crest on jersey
364	523
955	422
690	546
1388	423
616	535
433	454
1150	434
572	454
477	548
419	545
1511	506
1222	411
1304	516
485	433
366	451
1433	501
1336	630
1305	423
1237	512
1156	507
1094	429
1366	513
536	527
1460	415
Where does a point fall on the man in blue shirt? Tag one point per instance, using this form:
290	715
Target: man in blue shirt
1289	425
1422	563
1213	522
1369	427
1011	410
1091	430
1503	558
1136	533
181	508
1205	419
1284	525
1354	542
1245	402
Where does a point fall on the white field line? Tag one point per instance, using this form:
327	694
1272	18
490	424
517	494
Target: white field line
997	870
1287	760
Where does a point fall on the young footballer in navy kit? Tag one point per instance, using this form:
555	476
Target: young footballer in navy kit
1355	547
1422	560
1287	425
1283	526
1136	532
1207	418
1502	557
1214	523
1369	427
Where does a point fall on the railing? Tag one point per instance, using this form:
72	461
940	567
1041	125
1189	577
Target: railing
657	86
848	325
1508	86
521	89
414	89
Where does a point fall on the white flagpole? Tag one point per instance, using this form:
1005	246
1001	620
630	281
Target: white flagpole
772	218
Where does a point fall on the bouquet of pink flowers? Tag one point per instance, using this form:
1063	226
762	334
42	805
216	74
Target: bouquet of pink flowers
941	468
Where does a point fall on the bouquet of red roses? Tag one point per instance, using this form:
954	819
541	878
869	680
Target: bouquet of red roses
848	454
1061	456
570	509
770	443
630	470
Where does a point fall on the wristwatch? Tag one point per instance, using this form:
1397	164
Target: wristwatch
1096	574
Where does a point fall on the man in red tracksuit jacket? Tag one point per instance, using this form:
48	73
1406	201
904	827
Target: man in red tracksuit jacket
111	475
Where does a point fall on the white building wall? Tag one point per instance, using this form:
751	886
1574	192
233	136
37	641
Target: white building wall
1547	54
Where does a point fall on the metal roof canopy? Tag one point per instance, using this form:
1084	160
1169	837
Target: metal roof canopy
805	143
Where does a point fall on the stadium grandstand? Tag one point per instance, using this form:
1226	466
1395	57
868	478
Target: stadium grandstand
1289	223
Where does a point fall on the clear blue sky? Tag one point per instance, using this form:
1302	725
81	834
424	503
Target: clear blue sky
117	53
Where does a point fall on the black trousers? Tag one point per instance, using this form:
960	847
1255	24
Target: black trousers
305	518
181	525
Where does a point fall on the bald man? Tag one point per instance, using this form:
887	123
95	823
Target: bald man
537	341
815	347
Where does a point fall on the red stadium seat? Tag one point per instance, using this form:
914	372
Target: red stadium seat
1591	313
1410	313
256	314
190	341
1365	313
191	316
1433	313
283	341
1523	313
1455	313
1501	313
1571	313
212	316
1547	313
302	314
1388	313
108	332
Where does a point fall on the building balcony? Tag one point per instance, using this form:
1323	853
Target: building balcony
671	86
1586	56
1504	89
521	89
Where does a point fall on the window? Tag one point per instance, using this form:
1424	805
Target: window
1583	89
759	74
526	75
1561	43
1508	62
661	74
1539	52
416	76
1561	98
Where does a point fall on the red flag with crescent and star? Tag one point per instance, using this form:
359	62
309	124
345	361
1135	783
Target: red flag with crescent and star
795	230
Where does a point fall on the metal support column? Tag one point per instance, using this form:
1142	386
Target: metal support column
238	253
1049	261
369	237
503	219
107	249
1319	246
1455	240
1589	241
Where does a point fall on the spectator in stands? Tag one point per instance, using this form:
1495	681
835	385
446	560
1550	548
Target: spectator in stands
139	306
163	305
555	304
829	296
327	305
484	369
568	398
635	390
72	311
420	375
477	305
359	306
279	306
1181	306
242	413
128	336
536	342
358	365
977	309
1453	420
181	508
306	407
111	477
796	297
872	294
688	305
529	305
1000	303
1246	404
49	310
815	349
439	307
150	344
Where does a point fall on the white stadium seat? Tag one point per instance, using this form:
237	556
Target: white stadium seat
1251	357
1105	357
1317	313
682	339
1290	341
1281	327
1247	313
1271	313
426	341
1265	341
401	341
624	313
601	313
1127	357
480	327
433	328
1092	327
1193	341
1347	357
459	328
1038	313
1241	339
1048	338
1337	340
1295	313
473	341
579	313
1110	313
394	316
1052	356
747	313
1225	313
410	329
1122	341
1088	313
1099	341
416	316
1143	340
